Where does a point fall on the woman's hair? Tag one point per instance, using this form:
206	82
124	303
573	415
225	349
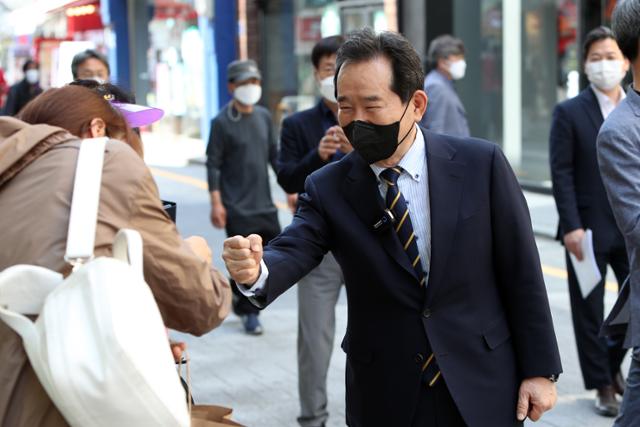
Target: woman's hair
106	89
73	107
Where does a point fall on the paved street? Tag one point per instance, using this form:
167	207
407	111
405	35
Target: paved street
257	376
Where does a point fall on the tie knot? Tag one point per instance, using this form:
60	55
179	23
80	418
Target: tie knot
391	175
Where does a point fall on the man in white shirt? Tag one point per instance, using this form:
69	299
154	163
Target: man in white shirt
582	204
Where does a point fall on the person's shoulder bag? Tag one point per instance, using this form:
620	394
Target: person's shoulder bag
99	346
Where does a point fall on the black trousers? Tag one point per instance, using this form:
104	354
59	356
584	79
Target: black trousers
600	358
266	226
436	407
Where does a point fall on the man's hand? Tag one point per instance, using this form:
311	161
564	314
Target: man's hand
218	215
573	242
292	202
536	396
329	144
345	145
242	256
200	246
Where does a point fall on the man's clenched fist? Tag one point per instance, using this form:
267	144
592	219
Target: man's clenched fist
242	256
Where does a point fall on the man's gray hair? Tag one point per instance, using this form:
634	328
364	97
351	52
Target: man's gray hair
444	46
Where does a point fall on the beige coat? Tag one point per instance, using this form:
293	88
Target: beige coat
37	165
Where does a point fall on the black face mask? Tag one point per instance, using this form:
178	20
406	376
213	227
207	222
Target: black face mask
375	142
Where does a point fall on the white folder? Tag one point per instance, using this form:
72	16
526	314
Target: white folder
587	270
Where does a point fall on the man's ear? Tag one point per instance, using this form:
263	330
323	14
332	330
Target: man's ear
97	128
420	101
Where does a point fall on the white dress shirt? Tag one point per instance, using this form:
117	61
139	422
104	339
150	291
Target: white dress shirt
414	186
605	103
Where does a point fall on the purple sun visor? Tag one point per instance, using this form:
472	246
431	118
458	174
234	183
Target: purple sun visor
139	115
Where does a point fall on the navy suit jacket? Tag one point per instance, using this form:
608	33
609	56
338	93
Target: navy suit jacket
299	138
484	310
577	186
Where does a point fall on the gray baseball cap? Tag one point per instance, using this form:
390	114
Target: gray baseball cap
241	70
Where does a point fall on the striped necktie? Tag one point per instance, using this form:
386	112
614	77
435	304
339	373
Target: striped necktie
398	207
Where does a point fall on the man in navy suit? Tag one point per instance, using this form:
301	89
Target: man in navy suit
582	204
449	322
309	140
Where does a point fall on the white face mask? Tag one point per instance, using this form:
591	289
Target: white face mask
248	94
328	90
457	69
32	76
605	74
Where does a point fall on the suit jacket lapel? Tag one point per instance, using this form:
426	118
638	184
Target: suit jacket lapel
362	193
591	105
445	191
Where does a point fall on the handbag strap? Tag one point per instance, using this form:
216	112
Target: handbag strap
187	360
85	199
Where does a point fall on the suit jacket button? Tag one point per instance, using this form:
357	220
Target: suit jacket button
419	358
426	313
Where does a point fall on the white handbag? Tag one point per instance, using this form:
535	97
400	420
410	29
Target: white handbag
99	346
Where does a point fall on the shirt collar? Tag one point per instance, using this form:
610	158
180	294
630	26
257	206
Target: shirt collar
604	100
413	160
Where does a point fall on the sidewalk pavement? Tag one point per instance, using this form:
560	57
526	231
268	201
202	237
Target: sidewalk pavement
544	216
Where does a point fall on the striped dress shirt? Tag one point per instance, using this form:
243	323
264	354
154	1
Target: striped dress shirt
414	186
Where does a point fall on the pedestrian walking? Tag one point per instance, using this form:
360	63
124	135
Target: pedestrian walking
241	147
25	90
309	140
445	112
449	322
619	160
582	204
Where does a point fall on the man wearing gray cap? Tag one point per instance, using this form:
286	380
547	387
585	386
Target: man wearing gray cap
241	146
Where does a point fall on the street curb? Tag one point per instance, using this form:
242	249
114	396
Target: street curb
201	161
544	234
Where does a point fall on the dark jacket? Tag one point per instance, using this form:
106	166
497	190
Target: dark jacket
299	139
580	196
19	95
485	309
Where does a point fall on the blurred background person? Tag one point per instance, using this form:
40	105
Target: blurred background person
445	112
241	147
309	140
582	204
90	64
619	160
39	154
25	90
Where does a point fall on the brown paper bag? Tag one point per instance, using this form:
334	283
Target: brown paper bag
211	416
